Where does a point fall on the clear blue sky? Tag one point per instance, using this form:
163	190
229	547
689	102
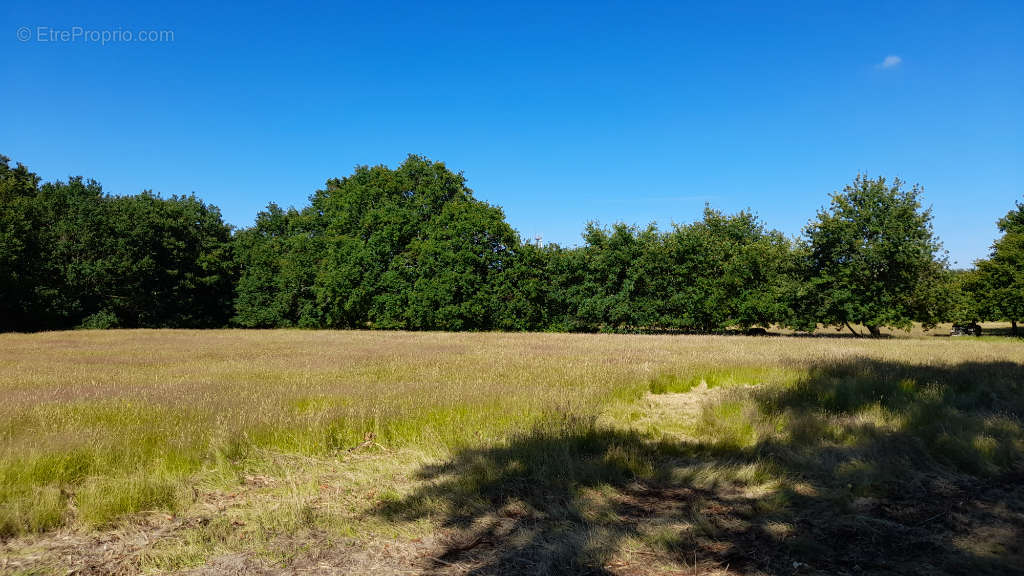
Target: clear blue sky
560	113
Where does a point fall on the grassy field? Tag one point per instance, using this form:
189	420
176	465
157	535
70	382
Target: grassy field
231	452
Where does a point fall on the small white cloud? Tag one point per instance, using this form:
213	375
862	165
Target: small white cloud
891	61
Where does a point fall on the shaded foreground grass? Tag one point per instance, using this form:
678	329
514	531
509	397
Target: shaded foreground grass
856	467
492	453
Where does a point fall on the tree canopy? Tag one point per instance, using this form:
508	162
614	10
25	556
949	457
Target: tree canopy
412	248
999	283
408	248
873	259
74	256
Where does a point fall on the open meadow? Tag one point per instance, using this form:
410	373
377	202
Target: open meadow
287	451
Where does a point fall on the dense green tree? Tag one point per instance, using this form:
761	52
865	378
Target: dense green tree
19	249
167	262
873	257
565	272
725	271
74	237
1013	222
524	292
369	219
407	248
131	261
447	275
277	260
73	256
729	271
962	290
411	248
610	296
1000	291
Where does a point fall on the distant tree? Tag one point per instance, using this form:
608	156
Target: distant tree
802	302
523	292
72	256
729	272
1001	276
611	295
1013	222
75	240
369	218
448	274
725	271
406	248
566	274
166	262
961	291
873	259
19	249
131	261
277	260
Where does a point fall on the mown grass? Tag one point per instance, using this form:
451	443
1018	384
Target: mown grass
608	448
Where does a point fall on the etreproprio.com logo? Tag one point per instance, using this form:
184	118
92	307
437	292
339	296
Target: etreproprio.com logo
101	36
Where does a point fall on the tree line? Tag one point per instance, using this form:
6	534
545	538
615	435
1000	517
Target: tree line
411	248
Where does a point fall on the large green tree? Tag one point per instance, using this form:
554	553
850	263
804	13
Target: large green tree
74	241
131	261
167	262
525	293
728	271
960	302
447	275
721	272
71	256
1000	287
407	248
612	295
19	246
873	259
277	260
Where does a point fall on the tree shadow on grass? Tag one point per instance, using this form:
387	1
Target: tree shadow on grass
1004	331
863	467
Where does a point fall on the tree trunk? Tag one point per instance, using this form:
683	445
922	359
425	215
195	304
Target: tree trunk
855	333
1013	327
875	331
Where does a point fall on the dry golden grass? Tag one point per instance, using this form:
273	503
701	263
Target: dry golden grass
254	444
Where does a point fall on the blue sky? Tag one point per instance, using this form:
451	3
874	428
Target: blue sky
558	112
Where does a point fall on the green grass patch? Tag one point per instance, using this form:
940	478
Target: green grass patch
723	376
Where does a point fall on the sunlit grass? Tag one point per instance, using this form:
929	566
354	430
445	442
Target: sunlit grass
98	427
